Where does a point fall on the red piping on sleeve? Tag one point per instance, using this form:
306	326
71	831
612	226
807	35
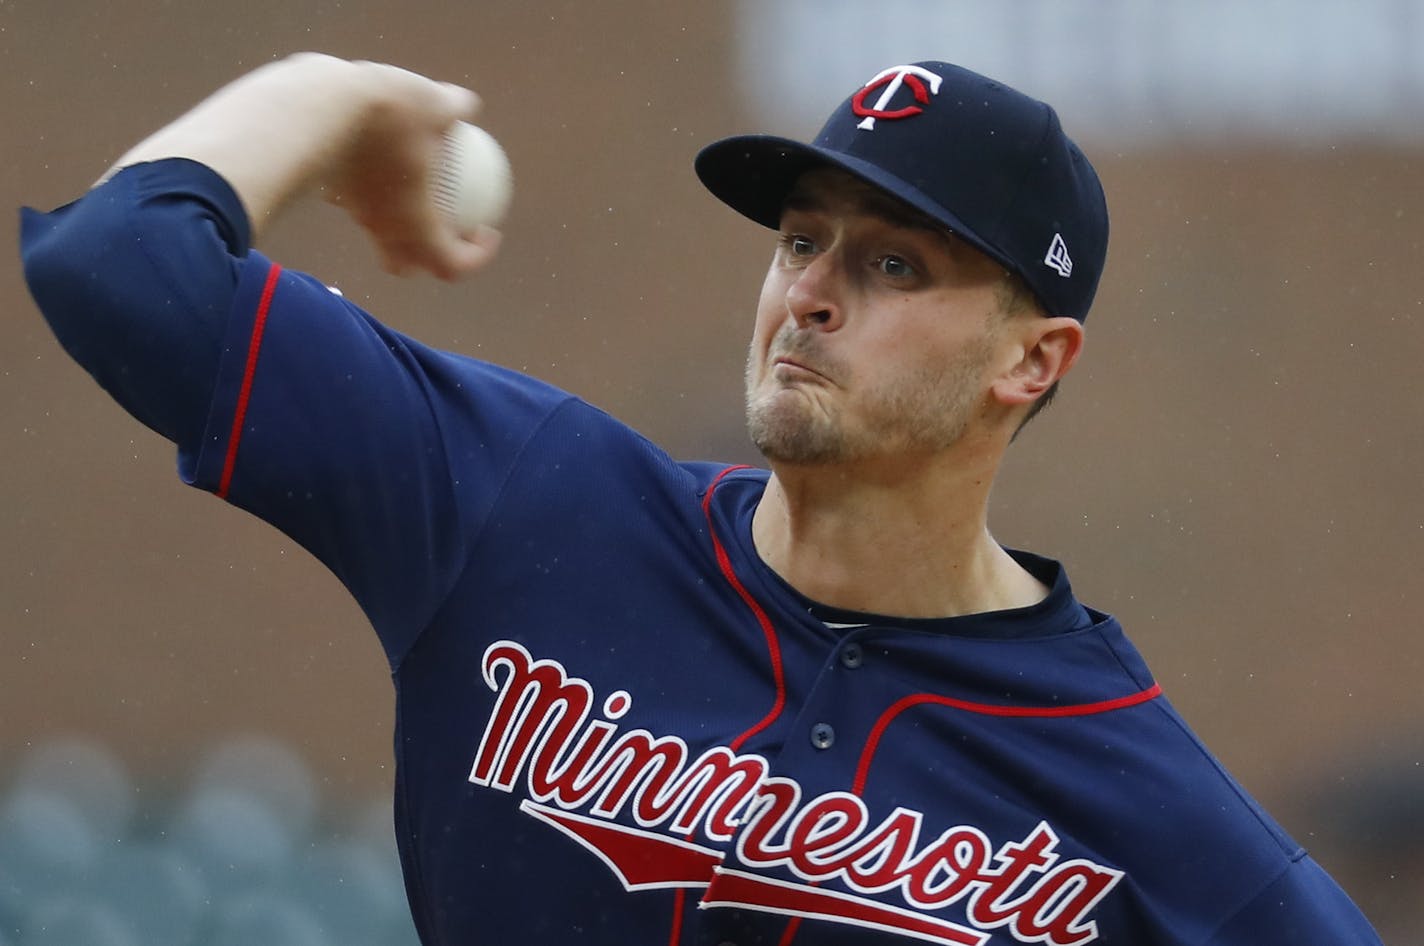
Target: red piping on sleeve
244	394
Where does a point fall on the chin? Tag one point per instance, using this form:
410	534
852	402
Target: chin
797	439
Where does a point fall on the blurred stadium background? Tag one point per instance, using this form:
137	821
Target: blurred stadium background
244	851
193	714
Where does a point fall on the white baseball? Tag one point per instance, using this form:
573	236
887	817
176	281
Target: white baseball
472	181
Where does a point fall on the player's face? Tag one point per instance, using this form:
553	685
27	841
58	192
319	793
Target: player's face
874	333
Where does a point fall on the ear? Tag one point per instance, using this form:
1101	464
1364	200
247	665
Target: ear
1048	348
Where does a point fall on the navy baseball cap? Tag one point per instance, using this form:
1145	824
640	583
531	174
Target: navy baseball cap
988	162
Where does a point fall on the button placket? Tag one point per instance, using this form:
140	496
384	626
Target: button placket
852	656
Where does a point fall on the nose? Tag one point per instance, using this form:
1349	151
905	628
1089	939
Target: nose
814	298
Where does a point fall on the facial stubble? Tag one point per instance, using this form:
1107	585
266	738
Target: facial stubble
924	408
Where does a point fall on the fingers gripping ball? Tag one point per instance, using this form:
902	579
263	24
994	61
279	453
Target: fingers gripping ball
472	182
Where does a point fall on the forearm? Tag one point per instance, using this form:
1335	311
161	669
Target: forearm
136	278
272	134
364	135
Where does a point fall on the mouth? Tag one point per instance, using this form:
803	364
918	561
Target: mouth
786	368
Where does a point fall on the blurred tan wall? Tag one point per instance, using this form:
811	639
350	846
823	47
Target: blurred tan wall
1234	470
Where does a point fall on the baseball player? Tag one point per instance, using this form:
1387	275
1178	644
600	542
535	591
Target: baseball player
643	701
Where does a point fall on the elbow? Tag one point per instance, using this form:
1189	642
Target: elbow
136	292
114	268
63	256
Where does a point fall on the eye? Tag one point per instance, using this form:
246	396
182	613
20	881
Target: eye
798	244
894	267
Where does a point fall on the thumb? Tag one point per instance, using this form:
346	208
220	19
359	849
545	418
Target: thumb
460	103
464	254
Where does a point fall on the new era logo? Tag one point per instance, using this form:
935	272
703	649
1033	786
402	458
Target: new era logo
1057	256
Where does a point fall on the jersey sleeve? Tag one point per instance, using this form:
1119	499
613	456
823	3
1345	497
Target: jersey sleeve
1302	907
283	397
135	280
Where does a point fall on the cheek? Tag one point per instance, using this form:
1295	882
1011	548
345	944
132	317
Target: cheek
924	347
771	310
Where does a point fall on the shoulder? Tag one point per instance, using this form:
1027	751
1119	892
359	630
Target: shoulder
581	459
1301	906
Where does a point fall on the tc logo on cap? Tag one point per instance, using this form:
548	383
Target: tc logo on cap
892	79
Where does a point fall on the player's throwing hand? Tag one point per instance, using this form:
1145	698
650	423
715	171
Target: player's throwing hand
382	174
363	134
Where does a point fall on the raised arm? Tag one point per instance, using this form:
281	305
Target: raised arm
283	397
137	279
363	135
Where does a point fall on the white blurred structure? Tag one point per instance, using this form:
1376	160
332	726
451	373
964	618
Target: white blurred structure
84	773
1123	73
246	854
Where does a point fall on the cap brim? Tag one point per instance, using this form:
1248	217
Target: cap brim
754	174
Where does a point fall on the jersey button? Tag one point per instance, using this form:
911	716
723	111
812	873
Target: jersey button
822	736
852	656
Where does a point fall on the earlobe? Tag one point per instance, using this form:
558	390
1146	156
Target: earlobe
1047	354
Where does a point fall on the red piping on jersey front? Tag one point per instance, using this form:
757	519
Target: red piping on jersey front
773	646
679	900
249	371
793	926
862	771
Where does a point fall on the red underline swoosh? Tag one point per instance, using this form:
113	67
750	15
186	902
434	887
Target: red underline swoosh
642	860
645	860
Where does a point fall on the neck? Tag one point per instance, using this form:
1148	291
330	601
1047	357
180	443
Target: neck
912	542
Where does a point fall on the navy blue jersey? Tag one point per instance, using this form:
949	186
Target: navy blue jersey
614	724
